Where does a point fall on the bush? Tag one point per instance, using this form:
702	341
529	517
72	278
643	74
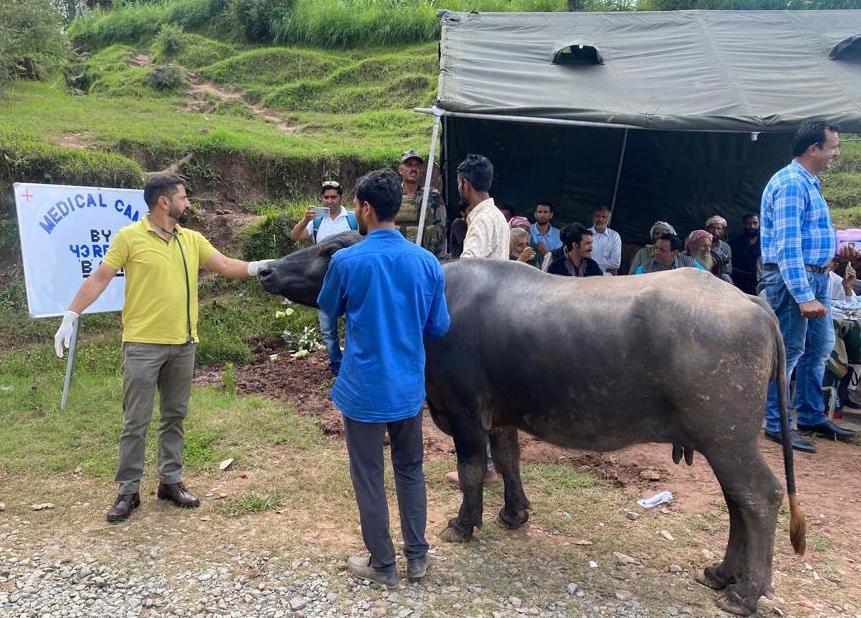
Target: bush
167	78
169	41
31	39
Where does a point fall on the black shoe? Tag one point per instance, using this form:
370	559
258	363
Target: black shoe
123	507
417	567
178	494
798	443
828	429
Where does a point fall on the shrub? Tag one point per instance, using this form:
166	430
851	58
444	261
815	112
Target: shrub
31	39
169	41
166	78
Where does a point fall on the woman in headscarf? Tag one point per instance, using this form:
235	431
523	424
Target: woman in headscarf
659	230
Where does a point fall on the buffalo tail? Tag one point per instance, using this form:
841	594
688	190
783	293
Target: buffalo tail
797	522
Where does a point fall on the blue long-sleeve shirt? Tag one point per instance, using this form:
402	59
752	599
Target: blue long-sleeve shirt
796	228
393	293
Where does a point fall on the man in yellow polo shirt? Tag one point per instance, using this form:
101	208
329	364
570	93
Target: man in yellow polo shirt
160	260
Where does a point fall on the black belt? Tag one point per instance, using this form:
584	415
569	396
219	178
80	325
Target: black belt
808	267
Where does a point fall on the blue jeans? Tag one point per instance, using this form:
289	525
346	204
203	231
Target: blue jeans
808	344
329	331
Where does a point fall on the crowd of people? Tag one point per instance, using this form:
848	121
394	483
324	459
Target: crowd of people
787	253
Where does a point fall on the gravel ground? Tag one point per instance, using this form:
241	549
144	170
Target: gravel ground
32	585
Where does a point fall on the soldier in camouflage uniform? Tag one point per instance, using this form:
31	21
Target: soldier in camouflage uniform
407	218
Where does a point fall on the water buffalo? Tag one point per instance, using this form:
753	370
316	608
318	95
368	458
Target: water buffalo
601	363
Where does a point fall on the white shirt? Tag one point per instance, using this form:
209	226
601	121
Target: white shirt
606	248
329	226
487	232
837	291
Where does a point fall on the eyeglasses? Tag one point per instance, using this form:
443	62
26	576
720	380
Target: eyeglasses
331	184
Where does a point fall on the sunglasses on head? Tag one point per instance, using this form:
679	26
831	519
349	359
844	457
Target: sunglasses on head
331	184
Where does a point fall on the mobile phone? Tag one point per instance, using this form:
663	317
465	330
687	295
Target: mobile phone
321	211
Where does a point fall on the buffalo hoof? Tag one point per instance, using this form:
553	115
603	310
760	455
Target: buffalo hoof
454	533
513	521
712	578
729	600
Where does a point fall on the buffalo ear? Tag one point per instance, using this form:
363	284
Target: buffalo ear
329	250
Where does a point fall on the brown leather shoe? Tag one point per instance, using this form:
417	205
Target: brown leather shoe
123	507
178	494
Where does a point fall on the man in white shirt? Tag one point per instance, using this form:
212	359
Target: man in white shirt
319	226
487	236
606	243
487	231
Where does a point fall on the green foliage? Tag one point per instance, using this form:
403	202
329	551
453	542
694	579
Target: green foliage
167	78
23	159
198	51
253	502
269	236
169	42
325	23
31	39
228	379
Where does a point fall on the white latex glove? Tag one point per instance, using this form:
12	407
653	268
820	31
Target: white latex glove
63	338
256	267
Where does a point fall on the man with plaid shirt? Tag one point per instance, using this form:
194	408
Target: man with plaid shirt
798	243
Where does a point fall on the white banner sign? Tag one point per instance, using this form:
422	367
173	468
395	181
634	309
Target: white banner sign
65	232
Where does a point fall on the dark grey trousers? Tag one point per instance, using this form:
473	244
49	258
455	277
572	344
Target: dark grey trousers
365	447
147	367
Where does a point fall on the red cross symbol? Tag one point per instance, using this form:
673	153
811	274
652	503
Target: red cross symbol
26	195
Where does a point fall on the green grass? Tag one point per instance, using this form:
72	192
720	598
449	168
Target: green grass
324	23
253	502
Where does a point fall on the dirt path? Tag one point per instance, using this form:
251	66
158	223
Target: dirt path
829	485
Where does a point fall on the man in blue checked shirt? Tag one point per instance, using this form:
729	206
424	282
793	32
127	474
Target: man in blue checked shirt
393	294
798	243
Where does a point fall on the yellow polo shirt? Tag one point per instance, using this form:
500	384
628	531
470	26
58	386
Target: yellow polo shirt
155	304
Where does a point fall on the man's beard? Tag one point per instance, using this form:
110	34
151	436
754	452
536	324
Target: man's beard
751	233
182	218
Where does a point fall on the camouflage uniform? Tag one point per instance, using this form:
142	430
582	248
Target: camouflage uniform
407	220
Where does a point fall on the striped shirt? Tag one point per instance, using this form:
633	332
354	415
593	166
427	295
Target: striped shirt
796	228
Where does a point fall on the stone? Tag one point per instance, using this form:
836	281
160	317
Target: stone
43	506
297	603
665	534
625	559
674	568
224	465
2	507
632	515
707	554
515	601
650	475
623	595
673	611
572	588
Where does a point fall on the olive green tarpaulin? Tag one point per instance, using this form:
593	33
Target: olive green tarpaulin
673	115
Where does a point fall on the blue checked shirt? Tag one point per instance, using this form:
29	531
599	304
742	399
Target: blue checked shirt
796	228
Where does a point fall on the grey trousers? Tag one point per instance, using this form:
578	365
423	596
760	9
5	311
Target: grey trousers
147	366
365	447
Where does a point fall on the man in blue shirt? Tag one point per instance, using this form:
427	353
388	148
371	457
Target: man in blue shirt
393	294
798	243
544	236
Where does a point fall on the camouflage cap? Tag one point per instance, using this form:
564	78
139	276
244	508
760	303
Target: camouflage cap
411	154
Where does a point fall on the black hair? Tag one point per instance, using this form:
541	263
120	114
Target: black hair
749	216
544	203
478	170
328	186
574	233
809	134
382	190
158	185
676	243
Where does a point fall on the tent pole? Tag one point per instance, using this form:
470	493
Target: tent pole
619	171
428	175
